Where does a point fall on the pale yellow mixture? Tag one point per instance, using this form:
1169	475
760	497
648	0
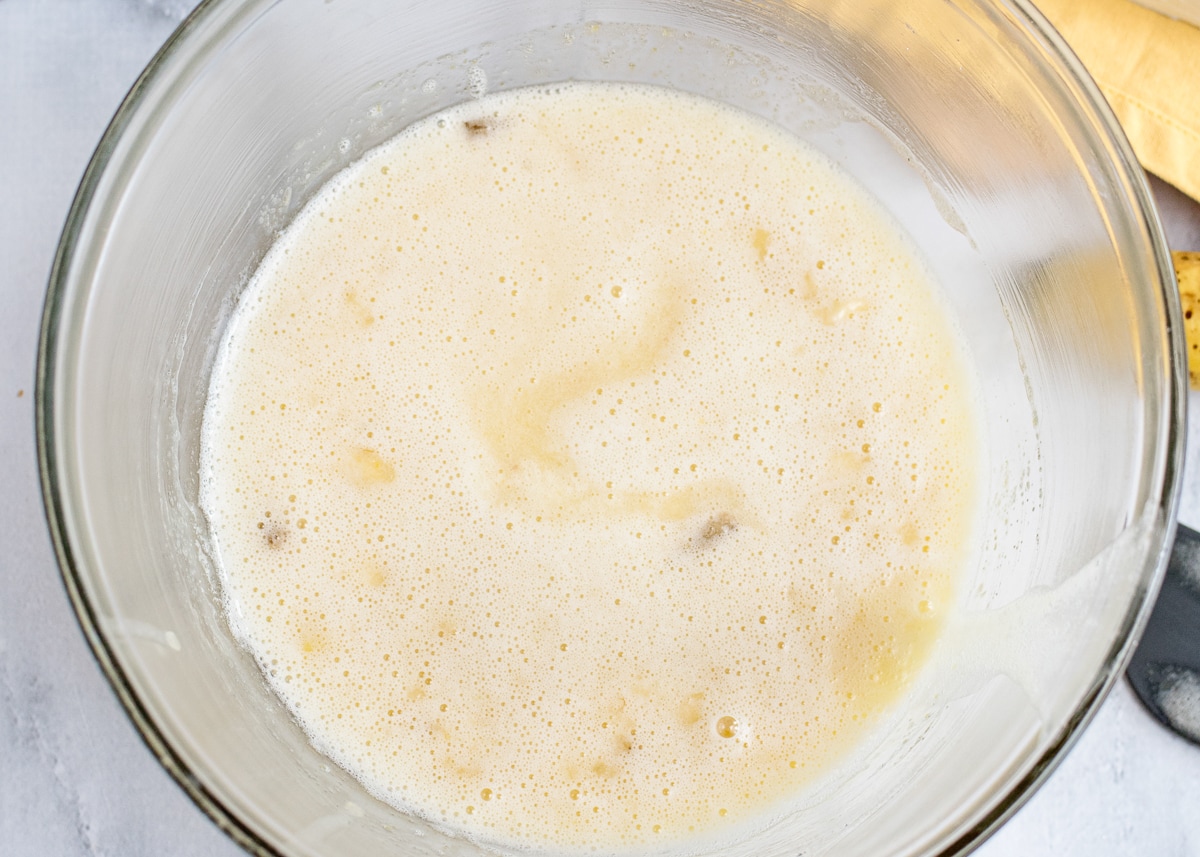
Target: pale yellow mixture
590	466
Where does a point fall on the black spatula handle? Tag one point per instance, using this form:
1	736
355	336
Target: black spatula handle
1165	670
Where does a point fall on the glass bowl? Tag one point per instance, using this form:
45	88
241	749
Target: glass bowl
969	120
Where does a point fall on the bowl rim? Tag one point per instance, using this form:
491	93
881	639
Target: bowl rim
1168	463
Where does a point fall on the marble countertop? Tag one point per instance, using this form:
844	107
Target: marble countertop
75	778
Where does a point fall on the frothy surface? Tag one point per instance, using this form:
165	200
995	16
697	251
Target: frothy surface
590	466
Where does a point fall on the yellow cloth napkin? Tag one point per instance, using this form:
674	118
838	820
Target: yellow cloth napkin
1148	67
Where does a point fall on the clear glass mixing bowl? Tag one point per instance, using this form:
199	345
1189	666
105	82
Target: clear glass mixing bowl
968	119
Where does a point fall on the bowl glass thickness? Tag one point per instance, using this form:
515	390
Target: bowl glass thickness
970	122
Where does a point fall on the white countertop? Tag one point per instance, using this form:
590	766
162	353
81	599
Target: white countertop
75	778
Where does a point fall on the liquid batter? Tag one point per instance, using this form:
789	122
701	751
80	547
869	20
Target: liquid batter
590	466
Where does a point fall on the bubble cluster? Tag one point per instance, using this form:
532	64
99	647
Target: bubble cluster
590	466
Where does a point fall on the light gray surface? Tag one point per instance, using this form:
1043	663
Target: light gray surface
75	779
